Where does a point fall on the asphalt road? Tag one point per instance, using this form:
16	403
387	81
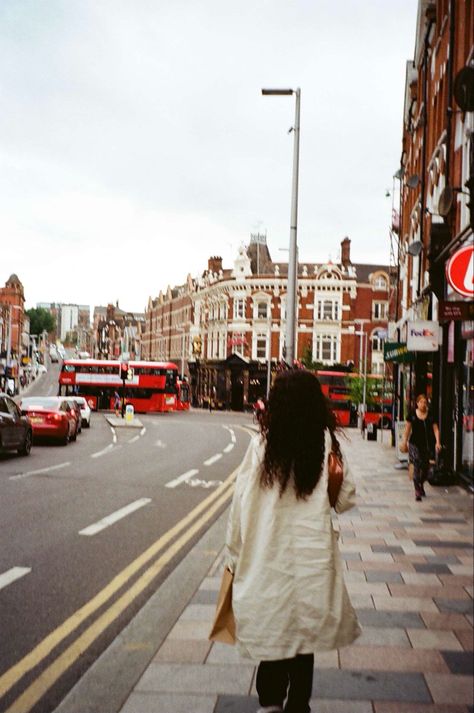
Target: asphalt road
90	530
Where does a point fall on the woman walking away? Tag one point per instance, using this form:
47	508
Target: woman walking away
421	439
289	597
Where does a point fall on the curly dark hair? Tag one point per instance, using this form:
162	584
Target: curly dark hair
293	426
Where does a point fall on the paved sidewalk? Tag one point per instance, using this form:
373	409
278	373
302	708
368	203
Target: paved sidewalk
409	572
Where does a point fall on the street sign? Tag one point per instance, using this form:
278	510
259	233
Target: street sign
460	271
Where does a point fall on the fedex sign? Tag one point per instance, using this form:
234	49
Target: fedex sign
422	336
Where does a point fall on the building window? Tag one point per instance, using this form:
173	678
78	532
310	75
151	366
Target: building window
379	310
261	346
326	348
377	344
328	310
380	283
262	310
223	311
239	308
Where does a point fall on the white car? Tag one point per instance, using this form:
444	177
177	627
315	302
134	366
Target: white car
85	410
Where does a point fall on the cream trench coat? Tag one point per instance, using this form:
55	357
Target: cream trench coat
289	595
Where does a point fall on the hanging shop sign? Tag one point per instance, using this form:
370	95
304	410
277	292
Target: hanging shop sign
455	311
460	271
422	336
397	351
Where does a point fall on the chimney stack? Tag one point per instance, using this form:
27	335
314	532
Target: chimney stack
214	264
346	252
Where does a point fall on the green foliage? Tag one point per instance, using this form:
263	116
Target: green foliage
40	320
307	358
356	385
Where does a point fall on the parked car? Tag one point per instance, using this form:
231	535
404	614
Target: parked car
85	411
16	432
73	403
53	355
50	417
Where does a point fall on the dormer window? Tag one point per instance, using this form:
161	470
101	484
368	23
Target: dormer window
380	282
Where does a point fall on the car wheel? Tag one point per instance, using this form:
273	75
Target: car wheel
65	439
74	436
25	448
87	424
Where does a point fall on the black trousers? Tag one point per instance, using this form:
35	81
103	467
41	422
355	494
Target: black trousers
276	679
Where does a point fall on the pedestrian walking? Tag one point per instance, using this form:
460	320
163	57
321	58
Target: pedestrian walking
117	403
289	597
421	441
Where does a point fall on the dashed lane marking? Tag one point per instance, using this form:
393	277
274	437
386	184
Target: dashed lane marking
105	450
114	517
182	478
143	431
40	471
228	448
11	575
132	440
213	459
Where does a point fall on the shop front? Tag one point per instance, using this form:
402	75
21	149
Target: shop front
232	384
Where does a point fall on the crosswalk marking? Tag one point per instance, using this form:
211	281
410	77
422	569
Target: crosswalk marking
114	517
11	575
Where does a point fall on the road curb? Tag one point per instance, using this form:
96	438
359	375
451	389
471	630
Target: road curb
109	682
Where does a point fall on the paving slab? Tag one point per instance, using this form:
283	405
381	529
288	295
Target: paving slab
169	703
450	688
193	679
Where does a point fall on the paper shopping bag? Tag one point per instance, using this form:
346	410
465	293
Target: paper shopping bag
223	628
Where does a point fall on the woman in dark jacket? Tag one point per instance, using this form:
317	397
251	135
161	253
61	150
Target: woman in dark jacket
421	439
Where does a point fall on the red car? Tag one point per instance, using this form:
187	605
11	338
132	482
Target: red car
50	417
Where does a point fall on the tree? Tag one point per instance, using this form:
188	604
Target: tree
356	385
40	320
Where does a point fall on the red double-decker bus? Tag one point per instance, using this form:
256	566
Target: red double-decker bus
336	386
183	396
152	388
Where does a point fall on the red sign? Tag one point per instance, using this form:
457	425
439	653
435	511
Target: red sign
460	271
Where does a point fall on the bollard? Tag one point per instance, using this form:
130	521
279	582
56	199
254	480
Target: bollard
129	413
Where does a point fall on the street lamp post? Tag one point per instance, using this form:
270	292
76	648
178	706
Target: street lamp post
181	329
363	346
292	259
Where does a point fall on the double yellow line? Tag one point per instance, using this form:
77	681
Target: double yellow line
36	690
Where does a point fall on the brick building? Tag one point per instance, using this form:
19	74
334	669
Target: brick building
13	340
234	321
116	333
437	175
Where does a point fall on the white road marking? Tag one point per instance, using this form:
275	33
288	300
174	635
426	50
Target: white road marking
40	471
13	574
213	459
114	435
228	448
114	517
232	437
181	478
132	440
160	444
143	431
103	451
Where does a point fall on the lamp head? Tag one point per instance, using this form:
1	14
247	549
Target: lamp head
276	92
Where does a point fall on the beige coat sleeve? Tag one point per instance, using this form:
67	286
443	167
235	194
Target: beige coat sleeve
233	537
347	494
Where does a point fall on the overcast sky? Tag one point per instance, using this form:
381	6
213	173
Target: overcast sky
135	142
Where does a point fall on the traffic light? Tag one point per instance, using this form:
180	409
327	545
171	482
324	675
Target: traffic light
123	372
